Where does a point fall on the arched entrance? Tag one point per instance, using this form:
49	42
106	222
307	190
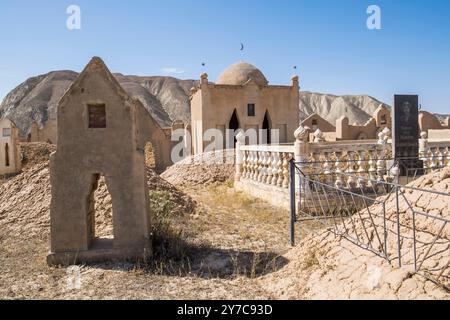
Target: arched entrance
100	214
6	155
233	126
266	135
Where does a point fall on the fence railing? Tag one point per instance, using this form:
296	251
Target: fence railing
371	159
266	164
381	216
355	187
269	164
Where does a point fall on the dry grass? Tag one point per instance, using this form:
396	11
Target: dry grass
216	254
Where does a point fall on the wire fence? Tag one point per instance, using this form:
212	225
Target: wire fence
377	214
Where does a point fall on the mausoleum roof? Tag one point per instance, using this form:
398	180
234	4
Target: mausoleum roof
240	73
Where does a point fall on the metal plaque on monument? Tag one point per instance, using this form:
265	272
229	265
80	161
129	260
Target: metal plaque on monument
405	133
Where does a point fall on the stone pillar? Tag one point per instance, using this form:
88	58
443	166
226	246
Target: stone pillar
301	151
203	79
294	82
383	138
188	140
318	136
423	148
240	141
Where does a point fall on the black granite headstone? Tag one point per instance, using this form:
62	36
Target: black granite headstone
405	132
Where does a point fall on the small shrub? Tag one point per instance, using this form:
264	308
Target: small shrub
167	241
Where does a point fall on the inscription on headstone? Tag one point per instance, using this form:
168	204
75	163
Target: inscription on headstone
405	138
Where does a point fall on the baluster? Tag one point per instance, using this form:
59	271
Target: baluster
247	165
423	155
440	158
381	168
256	166
260	166
252	165
263	167
432	157
285	170
328	179
244	165
426	160
269	175
275	168
372	169
339	169
351	171
314	171
280	170
361	183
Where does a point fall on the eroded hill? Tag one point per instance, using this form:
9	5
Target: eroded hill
166	98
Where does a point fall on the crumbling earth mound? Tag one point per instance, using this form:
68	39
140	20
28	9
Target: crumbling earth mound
203	169
327	266
35	153
25	203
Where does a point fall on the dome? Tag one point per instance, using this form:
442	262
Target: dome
239	73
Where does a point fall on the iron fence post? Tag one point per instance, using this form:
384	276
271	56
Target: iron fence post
398	227
292	199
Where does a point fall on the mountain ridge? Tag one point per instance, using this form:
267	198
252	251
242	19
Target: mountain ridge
165	97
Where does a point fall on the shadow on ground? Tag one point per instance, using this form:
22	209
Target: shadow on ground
205	262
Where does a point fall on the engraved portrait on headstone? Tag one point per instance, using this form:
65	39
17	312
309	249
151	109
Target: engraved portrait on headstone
406	109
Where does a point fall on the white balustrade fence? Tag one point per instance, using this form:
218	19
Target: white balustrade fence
345	164
266	164
435	154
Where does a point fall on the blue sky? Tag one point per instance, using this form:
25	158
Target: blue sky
328	40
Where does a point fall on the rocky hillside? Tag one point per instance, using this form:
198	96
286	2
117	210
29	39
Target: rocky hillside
358	108
36	99
166	98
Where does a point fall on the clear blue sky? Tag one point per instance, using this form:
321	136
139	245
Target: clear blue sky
327	40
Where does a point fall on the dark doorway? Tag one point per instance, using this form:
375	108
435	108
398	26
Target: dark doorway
6	155
266	138
100	214
233	126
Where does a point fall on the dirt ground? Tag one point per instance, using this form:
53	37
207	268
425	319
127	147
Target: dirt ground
227	244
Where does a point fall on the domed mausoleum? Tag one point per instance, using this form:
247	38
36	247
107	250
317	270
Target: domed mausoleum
240	73
242	98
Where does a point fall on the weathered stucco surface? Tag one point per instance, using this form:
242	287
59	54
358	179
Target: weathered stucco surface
83	155
10	158
213	105
46	133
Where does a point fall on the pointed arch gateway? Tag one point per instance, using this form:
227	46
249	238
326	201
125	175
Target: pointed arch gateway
266	127
233	126
106	131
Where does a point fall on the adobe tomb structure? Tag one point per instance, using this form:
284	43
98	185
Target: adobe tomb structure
101	132
242	98
10	156
45	133
381	119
